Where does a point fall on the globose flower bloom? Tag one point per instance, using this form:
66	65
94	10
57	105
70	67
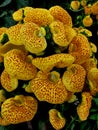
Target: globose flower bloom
16	65
56	119
32	37
56	60
80	48
93	80
84	107
62	34
74	78
47	86
61	14
19	109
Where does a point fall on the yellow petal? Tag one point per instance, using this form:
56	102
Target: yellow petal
51	91
47	63
80	48
19	109
74	78
61	14
33	38
16	65
8	82
56	119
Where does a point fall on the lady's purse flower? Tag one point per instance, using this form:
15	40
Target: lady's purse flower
84	107
56	119
56	60
32	37
87	21
61	14
47	86
80	48
19	109
16	65
74	78
93	80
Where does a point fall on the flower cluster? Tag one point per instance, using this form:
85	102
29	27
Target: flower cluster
50	60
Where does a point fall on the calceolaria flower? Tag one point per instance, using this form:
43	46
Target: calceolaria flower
61	14
47	63
93	80
84	107
19	109
80	48
74	78
16	65
87	21
47	86
56	119
32	37
75	5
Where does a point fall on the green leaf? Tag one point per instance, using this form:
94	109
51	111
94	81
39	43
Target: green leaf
3	14
93	117
5	2
95	101
10	127
94	110
22	3
4	39
83	125
72	126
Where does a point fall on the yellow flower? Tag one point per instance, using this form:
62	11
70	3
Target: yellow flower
32	36
84	107
61	14
94	8
87	10
56	60
8	82
83	3
62	34
80	48
47	86
19	109
58	33
75	5
56	119
40	16
87	21
93	80
16	65
74	78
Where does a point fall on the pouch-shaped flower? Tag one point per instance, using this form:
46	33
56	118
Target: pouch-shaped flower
19	109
